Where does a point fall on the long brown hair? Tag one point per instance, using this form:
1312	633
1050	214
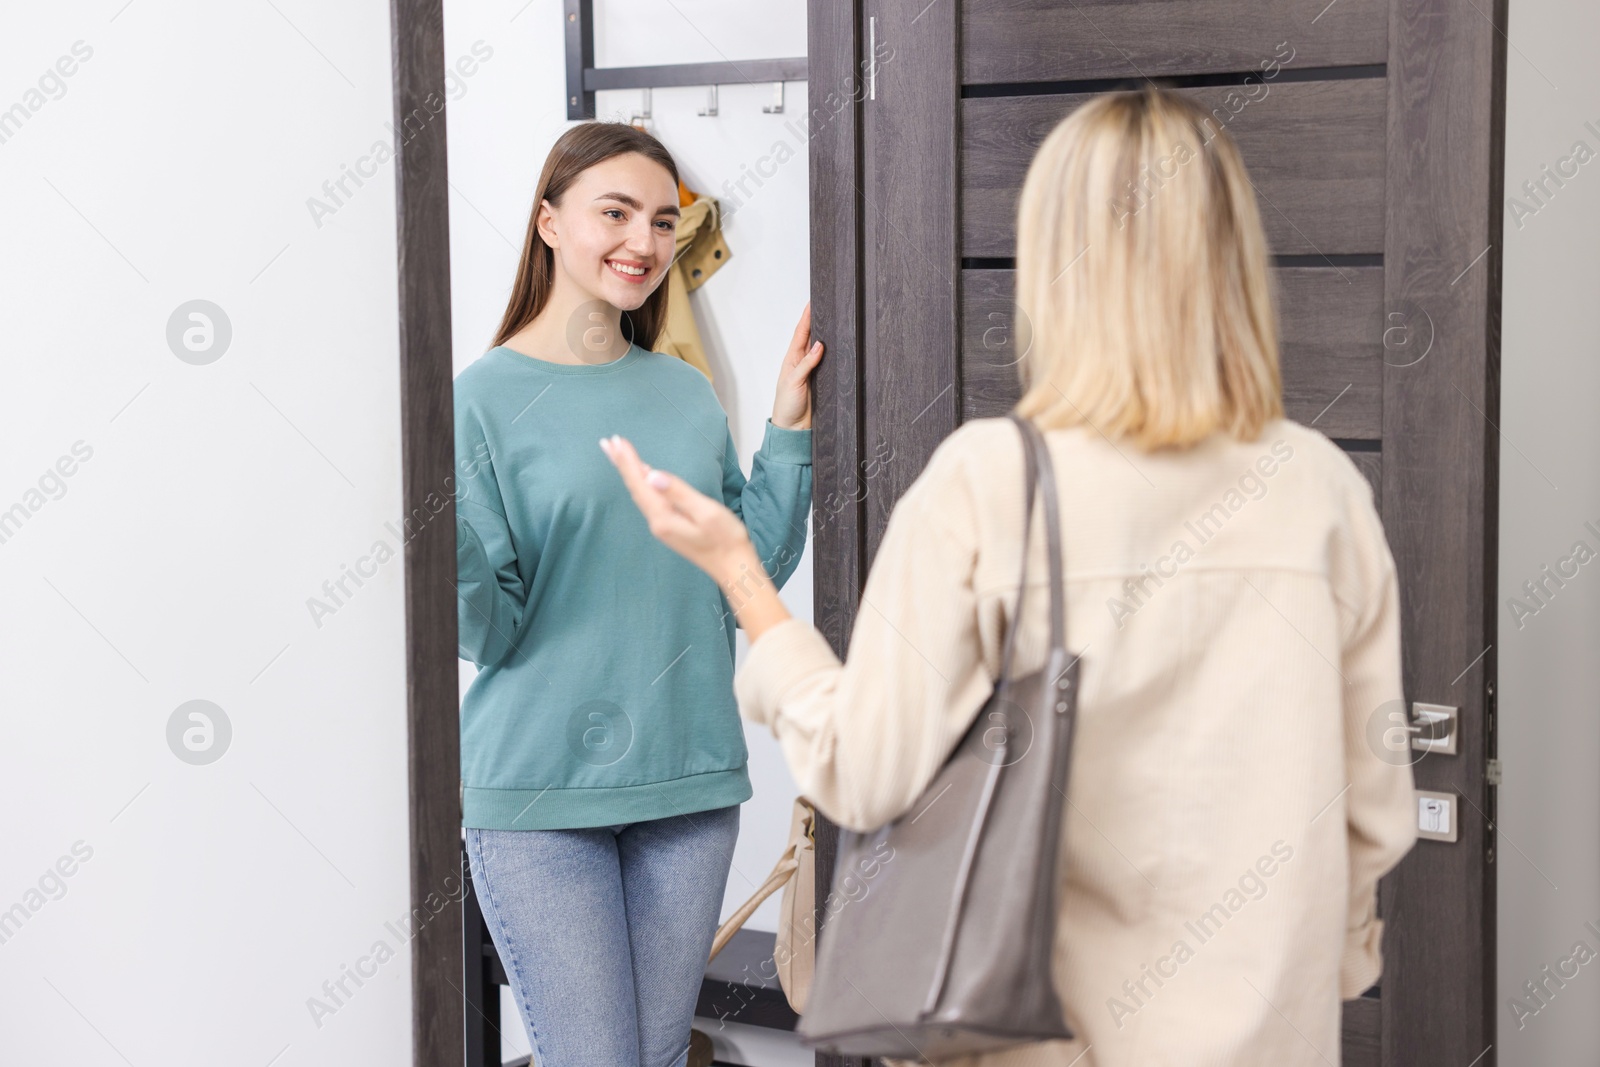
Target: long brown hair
573	153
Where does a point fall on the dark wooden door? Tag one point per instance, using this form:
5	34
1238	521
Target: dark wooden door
1373	131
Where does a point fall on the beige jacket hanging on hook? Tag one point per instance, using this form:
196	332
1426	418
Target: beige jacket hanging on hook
701	250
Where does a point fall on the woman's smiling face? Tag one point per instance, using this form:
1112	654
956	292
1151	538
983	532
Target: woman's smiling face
615	232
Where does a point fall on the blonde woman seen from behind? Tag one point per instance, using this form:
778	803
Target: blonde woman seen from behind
1228	586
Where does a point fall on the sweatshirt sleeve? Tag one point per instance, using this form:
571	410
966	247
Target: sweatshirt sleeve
490	594
864	738
774	502
1381	806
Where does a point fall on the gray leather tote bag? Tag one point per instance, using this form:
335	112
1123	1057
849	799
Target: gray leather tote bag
948	951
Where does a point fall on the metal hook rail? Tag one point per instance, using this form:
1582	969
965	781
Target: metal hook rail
584	78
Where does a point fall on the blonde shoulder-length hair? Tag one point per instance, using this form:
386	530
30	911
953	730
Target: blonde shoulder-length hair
1142	277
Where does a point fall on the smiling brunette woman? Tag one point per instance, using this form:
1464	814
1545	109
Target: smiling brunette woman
602	756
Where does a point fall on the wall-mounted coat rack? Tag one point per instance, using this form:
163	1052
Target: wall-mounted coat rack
584	78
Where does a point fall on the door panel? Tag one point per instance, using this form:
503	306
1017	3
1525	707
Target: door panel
1446	75
1332	347
1315	152
1058	40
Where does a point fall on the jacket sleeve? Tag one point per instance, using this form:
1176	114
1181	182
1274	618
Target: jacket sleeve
1380	806
864	738
490	594
774	502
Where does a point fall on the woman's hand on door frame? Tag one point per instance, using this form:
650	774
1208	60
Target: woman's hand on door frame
791	409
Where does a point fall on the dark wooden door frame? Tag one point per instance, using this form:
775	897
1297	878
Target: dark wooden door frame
427	443
455	969
1436	469
447	979
839	485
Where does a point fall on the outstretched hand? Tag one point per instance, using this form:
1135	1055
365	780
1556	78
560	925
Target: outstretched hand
701	530
704	532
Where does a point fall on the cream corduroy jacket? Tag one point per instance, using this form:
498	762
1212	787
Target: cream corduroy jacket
1236	609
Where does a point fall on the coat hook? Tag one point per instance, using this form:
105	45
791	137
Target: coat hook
776	107
642	116
711	102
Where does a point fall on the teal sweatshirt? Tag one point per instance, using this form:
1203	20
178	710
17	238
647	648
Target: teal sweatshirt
606	689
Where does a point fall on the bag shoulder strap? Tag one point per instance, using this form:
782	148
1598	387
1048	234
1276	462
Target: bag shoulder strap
1038	470
1030	462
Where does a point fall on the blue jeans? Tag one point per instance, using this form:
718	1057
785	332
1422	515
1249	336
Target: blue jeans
604	931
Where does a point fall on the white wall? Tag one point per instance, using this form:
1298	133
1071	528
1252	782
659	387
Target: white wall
206	903
510	111
1549	840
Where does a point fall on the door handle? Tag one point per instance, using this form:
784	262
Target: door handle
1433	728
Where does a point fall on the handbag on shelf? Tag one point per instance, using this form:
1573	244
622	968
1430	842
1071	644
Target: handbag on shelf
948	952
794	873
795	952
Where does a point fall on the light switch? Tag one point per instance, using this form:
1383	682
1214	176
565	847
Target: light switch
1436	815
